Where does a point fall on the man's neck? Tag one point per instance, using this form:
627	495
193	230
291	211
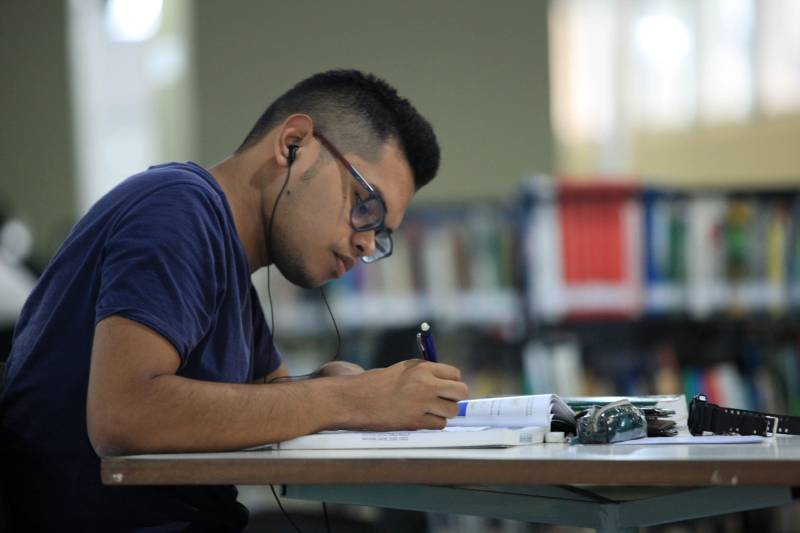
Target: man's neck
243	183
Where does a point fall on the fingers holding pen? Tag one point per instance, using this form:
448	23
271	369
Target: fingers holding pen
445	380
443	408
447	389
412	394
444	371
454	391
439	370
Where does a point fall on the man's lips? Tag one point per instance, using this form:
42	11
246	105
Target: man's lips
343	264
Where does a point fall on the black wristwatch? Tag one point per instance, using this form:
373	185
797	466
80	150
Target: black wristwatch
705	416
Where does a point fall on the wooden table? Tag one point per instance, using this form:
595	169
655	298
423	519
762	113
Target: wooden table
606	487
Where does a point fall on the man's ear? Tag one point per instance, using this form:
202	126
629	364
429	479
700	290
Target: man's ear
297	130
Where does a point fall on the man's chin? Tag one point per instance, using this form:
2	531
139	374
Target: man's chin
293	268
301	278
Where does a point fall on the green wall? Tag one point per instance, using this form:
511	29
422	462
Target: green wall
36	139
478	70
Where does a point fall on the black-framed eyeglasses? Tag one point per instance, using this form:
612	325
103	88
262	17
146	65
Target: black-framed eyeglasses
367	214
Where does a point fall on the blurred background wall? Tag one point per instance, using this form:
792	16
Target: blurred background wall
480	75
36	141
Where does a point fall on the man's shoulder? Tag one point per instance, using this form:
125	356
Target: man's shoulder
173	187
166	202
175	178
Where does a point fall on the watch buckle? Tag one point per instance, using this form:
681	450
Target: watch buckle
774	429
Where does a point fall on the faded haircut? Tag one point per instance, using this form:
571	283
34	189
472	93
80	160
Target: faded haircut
359	113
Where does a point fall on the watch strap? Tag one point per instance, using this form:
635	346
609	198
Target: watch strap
721	420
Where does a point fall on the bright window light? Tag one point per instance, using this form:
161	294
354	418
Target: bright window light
725	53
662	38
133	20
664	67
779	57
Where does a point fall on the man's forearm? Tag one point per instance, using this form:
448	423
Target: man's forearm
177	414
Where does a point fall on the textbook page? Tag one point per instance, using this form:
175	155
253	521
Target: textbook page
511	411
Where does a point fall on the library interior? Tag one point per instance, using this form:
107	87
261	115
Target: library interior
617	210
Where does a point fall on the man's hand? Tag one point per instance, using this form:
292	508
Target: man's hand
412	394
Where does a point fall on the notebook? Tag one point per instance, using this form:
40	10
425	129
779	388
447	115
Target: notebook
450	437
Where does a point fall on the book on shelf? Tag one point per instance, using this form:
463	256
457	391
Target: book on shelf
600	235
793	256
664	242
582	247
553	366
705	272
542	252
481	423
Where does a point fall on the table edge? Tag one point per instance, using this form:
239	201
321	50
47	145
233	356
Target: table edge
244	471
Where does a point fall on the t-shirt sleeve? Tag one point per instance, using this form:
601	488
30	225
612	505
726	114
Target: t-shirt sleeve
163	265
264	362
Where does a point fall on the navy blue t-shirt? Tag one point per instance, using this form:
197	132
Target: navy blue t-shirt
160	249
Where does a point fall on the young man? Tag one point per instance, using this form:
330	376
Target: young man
145	335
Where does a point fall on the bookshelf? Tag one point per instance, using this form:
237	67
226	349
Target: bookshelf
664	290
582	289
630	251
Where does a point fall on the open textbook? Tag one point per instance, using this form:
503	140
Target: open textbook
542	410
484	423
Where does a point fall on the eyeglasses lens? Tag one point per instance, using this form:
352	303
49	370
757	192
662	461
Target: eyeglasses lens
383	247
367	214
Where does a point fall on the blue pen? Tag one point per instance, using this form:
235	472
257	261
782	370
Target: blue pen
425	343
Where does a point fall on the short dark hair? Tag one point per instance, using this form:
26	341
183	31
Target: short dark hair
359	113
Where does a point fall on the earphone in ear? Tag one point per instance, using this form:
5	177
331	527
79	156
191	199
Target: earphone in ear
292	153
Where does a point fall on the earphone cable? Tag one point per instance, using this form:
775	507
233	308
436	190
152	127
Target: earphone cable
269	268
272	320
325	513
335	326
280	505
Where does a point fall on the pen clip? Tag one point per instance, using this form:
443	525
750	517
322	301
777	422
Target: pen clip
421	346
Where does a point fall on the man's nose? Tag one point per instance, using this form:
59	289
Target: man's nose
364	242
